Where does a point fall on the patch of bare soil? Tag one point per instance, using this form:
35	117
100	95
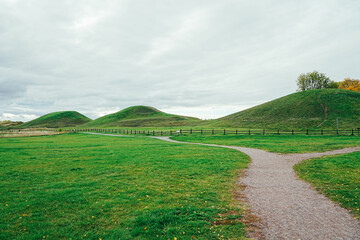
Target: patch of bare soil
7	134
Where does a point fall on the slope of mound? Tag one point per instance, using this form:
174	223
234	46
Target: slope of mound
307	109
9	124
141	116
58	119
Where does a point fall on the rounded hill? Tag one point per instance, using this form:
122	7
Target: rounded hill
141	116
306	109
57	119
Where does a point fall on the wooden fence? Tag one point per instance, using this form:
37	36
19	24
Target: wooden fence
343	132
312	132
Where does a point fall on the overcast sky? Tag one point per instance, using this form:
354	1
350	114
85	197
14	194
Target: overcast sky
201	58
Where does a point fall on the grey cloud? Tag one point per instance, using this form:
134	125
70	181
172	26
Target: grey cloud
106	55
10	90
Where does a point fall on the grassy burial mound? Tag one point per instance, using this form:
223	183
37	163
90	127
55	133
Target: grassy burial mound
57	119
141	116
9	124
307	109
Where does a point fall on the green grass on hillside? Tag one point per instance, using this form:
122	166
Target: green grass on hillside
141	116
78	186
300	110
9	124
338	177
57	120
281	144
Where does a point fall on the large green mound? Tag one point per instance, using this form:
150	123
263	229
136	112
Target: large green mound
58	119
307	109
141	116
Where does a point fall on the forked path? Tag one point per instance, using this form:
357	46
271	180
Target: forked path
288	207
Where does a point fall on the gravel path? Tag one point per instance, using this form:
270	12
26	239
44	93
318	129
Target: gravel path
290	208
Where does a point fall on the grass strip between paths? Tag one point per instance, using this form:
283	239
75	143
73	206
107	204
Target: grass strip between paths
338	177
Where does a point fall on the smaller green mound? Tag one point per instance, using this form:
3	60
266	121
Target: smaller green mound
9	124
141	116
57	119
300	110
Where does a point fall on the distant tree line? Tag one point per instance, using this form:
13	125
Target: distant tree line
316	80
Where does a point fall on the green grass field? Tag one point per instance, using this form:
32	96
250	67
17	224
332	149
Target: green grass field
338	177
78	186
280	144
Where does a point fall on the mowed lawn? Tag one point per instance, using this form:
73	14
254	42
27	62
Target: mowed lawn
79	186
279	144
338	177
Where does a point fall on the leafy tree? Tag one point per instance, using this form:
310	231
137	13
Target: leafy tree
334	84
350	84
313	80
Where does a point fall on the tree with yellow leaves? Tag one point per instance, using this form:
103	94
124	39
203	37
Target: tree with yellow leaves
350	84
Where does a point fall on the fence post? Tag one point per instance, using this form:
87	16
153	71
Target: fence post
170	132
322	132
236	132
352	132
190	131
201	131
278	132
249	132
212	132
161	133
292	132
263	131
224	132
180	131
307	131
153	133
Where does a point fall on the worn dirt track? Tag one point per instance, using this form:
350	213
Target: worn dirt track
289	208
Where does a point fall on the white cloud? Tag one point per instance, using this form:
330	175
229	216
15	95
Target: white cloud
89	20
18	117
188	24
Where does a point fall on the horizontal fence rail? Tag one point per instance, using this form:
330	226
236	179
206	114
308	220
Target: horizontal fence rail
343	132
